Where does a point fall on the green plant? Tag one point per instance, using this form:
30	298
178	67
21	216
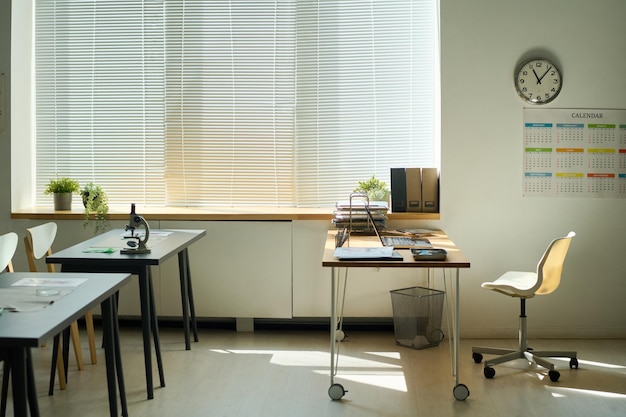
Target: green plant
375	189
62	185
96	201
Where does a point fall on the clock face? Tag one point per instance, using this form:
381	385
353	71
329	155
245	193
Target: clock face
538	81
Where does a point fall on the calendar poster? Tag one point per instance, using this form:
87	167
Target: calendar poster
574	153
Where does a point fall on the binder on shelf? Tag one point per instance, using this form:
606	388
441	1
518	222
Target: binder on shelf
398	190
430	190
413	189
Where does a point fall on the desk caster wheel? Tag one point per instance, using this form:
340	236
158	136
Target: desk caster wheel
573	363
489	372
554	375
461	392
339	335
336	391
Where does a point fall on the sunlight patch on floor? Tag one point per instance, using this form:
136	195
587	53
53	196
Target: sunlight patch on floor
567	392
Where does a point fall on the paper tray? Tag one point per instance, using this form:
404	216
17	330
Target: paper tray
429	254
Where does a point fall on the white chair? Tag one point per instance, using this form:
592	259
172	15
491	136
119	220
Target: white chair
525	285
8	245
38	244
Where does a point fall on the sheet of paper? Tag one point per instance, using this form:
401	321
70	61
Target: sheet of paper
49	282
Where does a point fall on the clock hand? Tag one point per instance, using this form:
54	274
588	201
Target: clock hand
537	77
544	74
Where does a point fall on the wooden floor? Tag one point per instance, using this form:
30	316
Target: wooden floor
286	373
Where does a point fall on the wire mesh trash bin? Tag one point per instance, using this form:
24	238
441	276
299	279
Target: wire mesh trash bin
417	316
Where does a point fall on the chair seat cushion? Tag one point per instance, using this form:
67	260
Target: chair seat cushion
514	283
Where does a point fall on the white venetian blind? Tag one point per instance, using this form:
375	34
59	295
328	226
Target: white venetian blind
99	89
232	102
365	93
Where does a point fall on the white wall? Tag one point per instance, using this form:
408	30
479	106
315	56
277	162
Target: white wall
482	208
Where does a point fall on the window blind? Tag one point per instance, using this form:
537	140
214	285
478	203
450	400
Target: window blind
365	93
99	93
232	103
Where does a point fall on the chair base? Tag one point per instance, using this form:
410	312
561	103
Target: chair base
523	352
532	356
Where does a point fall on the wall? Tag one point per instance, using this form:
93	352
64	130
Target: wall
482	43
482	208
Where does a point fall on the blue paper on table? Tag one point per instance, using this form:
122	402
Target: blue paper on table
367	254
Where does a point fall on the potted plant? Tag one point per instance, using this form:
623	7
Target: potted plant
62	190
96	201
375	189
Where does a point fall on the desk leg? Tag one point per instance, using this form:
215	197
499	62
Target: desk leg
460	391
108	338
155	331
17	358
335	391
182	272
146	322
192	308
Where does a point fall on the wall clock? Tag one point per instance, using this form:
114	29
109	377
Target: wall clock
538	81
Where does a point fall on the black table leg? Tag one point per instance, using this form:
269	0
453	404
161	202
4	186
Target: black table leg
184	295
17	357
155	331
118	359
30	383
55	357
146	322
108	337
192	308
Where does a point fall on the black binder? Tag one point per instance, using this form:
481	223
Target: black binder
398	190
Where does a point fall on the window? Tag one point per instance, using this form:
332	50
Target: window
233	103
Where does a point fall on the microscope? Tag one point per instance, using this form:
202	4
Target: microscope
135	242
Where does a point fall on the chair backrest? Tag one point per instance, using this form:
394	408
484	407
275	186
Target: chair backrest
38	244
8	245
550	266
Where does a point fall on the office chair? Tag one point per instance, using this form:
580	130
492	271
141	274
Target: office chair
8	245
524	285
38	244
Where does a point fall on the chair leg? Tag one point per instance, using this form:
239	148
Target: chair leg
76	344
91	337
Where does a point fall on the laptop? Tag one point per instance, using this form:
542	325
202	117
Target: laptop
398	242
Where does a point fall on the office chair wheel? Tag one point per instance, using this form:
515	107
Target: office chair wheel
336	391
489	372
478	357
460	392
573	363
554	375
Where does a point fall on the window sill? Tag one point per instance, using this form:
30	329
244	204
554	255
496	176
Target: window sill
207	214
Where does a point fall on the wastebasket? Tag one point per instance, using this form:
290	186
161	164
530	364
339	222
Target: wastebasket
417	316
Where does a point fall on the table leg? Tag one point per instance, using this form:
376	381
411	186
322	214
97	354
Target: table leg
30	383
18	379
108	337
335	391
182	272
155	331
460	391
146	323
118	357
192	308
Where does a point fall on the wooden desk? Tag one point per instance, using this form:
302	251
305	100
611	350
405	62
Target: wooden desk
20	331
163	245
455	260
